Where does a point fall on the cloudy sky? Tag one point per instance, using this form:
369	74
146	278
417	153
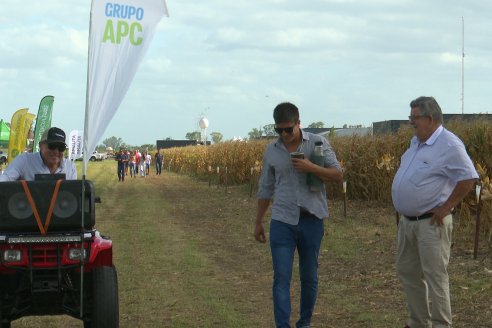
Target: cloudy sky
341	61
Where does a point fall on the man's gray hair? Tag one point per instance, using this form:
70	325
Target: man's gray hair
428	107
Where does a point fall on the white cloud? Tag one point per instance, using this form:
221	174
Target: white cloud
450	58
341	61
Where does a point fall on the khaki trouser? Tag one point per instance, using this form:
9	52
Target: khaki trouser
421	263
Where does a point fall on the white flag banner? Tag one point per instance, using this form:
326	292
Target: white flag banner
75	144
120	34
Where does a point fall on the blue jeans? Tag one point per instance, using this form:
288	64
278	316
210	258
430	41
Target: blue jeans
121	171
284	239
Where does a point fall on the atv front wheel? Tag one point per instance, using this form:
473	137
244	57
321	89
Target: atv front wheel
4	323
105	309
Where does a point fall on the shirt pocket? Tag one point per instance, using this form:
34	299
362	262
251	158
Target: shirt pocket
283	170
422	171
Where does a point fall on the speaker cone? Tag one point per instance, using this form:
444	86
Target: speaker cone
66	205
19	206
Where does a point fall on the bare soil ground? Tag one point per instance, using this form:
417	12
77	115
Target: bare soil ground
186	257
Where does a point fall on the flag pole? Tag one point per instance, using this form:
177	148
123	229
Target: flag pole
462	65
84	170
86	116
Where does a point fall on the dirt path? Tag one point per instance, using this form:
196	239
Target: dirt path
358	285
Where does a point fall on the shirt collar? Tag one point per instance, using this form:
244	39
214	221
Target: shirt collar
432	138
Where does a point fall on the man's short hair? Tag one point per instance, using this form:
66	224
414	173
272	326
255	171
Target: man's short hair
286	112
428	107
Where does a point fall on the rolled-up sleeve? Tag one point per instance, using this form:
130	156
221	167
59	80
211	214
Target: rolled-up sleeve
330	156
266	185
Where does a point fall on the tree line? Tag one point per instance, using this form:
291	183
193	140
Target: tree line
216	137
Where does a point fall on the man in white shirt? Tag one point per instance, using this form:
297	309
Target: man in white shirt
49	160
435	175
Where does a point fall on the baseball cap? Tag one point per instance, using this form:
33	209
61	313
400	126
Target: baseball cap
53	135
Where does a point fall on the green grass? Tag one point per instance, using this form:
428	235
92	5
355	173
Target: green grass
338	244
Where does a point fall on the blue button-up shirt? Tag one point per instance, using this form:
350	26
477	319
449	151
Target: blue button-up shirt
27	165
429	172
287	186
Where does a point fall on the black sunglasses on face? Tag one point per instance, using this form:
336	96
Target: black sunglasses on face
60	147
288	130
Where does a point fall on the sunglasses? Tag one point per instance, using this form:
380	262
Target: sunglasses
288	130
60	147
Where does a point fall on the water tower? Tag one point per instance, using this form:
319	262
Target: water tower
203	123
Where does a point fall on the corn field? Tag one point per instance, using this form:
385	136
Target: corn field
369	164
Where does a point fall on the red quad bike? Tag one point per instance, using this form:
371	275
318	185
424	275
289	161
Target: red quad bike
52	259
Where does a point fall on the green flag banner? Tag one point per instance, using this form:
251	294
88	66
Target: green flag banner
43	120
4	134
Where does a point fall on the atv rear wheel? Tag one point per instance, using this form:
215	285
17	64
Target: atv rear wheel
105	309
4	323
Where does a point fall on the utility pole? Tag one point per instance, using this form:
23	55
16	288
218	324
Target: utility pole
462	65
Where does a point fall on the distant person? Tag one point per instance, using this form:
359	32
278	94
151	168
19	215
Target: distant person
297	211
142	165
158	161
49	160
133	164
138	156
148	160
122	160
127	164
435	175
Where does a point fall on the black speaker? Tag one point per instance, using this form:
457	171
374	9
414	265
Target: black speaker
16	212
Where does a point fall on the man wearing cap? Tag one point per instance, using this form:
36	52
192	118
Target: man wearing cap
49	160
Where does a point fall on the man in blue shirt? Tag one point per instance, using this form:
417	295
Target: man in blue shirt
49	160
122	158
297	211
435	175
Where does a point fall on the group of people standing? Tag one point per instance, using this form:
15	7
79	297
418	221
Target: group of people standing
135	162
